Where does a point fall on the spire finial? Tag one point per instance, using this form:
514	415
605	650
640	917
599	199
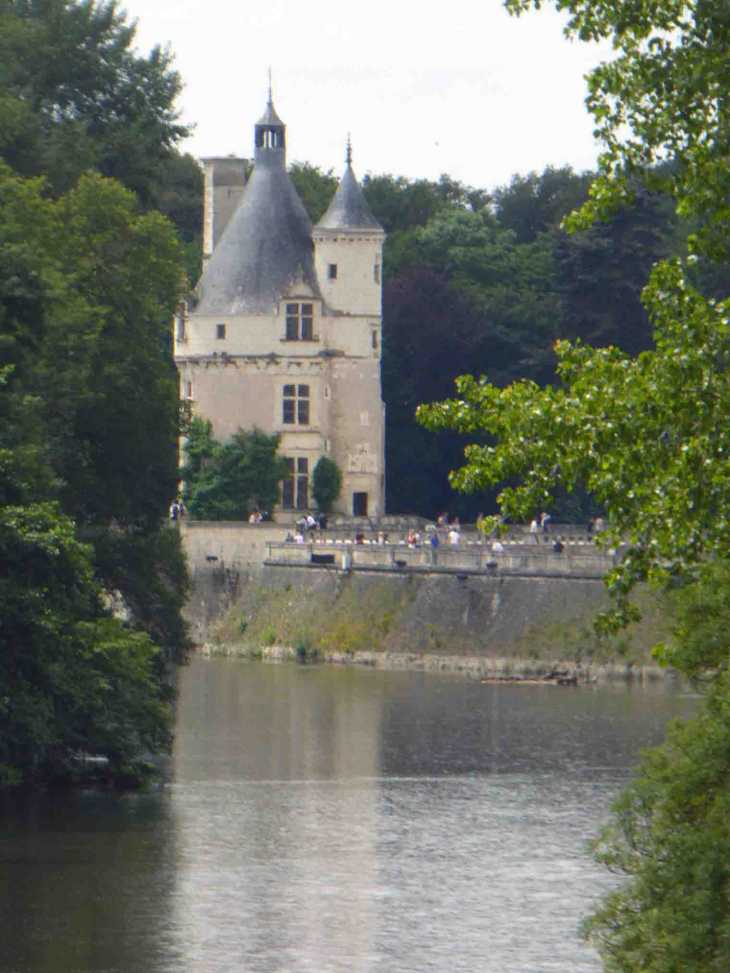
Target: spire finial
270	95
348	157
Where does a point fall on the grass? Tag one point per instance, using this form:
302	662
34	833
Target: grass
347	616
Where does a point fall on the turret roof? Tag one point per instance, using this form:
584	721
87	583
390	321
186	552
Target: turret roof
349	209
270	117
267	246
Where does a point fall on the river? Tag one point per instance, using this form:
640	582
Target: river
319	819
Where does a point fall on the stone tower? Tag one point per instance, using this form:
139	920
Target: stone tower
286	332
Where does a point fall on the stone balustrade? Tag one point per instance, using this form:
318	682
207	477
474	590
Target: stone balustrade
247	546
578	559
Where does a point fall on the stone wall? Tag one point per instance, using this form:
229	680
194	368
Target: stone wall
466	615
476	614
455	616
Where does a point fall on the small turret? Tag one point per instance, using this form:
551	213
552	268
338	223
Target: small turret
349	209
348	250
270	137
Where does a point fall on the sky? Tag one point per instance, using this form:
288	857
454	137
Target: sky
425	88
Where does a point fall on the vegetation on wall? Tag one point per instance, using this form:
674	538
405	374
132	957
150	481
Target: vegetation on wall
232	480
354	615
326	483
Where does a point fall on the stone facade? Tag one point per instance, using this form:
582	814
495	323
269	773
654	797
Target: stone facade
286	331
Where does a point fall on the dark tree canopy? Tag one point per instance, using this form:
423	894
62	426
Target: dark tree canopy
76	96
89	276
72	679
536	203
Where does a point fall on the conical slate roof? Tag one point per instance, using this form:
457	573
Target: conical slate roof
267	245
349	209
270	117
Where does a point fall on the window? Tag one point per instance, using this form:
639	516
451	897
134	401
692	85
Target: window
188	390
332	273
299	322
180	329
295	487
220	331
360	504
295	405
374	339
376	273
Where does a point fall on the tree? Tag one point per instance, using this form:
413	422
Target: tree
602	270
536	203
73	680
669	839
90	287
421	358
87	287
648	436
403	205
326	483
316	188
228	481
645	435
75	96
668	836
501	304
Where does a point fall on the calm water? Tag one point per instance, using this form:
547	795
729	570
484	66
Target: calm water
330	819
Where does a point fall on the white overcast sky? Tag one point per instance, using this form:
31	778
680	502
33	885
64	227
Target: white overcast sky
423	87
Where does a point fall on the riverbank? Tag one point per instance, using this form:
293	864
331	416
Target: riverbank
480	627
507	670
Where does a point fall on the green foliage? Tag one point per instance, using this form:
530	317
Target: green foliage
326	483
536	203
71	679
86	294
700	643
348	619
669	838
648	436
76	96
645	435
315	188
89	417
228	481
149	569
400	204
601	273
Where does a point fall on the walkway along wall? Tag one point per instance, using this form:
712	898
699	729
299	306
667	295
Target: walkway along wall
468	602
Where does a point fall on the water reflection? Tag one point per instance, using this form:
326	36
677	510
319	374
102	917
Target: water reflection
79	875
330	819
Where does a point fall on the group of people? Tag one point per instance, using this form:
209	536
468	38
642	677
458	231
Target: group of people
540	525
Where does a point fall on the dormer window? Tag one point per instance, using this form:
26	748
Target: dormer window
300	322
